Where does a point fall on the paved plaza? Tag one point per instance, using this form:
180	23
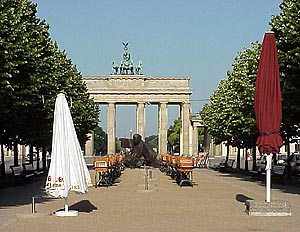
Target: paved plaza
216	202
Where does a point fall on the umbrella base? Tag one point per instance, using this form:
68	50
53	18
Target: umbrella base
69	213
273	208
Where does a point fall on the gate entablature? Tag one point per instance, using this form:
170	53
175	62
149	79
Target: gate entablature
130	88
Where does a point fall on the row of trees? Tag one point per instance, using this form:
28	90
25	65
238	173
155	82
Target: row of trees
32	72
230	113
286	26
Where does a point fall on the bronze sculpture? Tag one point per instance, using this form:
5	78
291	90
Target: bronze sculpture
127	66
140	154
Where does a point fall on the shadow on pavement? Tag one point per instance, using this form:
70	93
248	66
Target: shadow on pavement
83	206
277	183
22	194
242	198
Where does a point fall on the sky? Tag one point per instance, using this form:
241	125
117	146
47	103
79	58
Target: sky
198	39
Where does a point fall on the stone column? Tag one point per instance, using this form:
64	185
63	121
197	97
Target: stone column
185	126
111	128
207	140
89	145
140	119
162	128
23	153
195	140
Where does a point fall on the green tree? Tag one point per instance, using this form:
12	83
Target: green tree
243	78
32	72
216	115
85	112
287	31
100	141
173	136
286	27
22	40
230	114
201	139
152	140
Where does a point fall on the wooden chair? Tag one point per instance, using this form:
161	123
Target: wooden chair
163	162
185	167
172	166
101	167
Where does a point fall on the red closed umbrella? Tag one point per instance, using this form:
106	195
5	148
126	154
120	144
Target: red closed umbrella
267	98
267	104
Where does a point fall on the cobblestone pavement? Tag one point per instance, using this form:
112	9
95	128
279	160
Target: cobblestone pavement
215	203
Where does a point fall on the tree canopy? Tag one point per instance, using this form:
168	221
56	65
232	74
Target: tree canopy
32	72
100	141
286	27
230	113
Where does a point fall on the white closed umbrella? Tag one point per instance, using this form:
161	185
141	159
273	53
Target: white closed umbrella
68	170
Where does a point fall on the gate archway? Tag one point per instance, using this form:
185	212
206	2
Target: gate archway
140	91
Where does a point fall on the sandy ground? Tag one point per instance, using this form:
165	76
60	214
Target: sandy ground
216	202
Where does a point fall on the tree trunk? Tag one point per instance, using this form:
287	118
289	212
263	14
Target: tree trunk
207	138
254	167
246	161
238	159
289	168
16	161
31	154
44	159
227	152
2	163
37	158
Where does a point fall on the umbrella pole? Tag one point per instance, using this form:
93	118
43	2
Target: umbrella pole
66	212
66	205
268	177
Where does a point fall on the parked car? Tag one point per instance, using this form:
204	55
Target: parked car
261	164
27	158
262	161
295	163
282	159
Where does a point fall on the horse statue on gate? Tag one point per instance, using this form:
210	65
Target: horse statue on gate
138	68
115	68
126	66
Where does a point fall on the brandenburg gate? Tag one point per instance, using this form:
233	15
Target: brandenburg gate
127	86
